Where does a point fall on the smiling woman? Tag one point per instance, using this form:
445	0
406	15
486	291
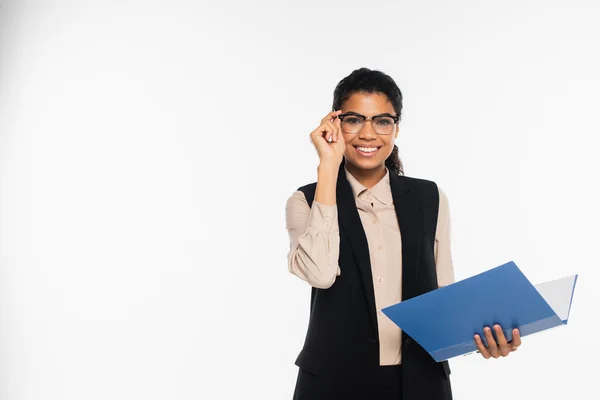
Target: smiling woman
369	140
364	237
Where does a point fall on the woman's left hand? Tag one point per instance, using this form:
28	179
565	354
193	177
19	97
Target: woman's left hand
500	348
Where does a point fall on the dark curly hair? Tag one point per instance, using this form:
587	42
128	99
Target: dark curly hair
372	81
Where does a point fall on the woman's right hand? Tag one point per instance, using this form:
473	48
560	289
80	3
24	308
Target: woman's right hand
329	140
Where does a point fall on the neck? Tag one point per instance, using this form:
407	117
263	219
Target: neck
367	177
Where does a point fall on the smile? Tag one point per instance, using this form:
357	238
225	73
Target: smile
367	151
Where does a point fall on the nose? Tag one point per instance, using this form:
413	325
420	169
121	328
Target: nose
367	130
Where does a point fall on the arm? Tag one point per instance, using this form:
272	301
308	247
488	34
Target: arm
442	250
314	241
314	233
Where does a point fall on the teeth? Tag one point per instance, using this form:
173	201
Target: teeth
367	149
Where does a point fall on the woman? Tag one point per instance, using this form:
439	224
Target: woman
365	237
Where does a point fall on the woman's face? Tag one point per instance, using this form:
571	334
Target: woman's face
367	149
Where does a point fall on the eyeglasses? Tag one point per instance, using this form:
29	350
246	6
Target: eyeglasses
383	124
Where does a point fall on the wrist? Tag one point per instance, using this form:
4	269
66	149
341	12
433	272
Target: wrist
328	168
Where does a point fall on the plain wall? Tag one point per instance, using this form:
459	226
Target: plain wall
147	150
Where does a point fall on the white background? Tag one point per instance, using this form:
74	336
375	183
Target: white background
147	150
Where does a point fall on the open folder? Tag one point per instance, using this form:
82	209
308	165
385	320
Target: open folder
444	320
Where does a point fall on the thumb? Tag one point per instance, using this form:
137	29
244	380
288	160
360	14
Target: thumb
338	123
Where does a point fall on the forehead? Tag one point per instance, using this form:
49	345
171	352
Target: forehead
368	104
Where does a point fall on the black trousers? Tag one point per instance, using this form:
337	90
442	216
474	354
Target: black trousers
384	383
388	385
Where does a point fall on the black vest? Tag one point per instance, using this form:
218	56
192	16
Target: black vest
342	341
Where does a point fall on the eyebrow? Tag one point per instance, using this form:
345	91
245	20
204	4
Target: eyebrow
374	116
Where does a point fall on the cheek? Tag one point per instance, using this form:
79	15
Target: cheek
389	146
349	142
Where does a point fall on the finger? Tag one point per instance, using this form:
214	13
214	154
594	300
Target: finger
331	128
479	343
493	347
331	115
516	340
322	130
338	123
327	119
340	146
316	136
502	342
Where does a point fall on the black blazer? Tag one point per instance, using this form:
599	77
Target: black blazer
341	348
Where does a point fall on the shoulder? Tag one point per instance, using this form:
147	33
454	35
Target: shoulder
307	192
443	199
423	187
297	197
308	187
302	197
411	180
428	191
302	192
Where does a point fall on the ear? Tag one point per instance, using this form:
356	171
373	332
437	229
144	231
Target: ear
397	131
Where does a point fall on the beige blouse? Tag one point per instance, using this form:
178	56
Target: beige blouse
314	249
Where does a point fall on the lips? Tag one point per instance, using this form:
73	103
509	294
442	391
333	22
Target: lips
367	151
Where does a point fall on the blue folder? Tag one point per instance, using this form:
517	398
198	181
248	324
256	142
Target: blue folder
444	321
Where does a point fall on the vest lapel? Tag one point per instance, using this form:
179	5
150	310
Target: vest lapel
408	214
350	221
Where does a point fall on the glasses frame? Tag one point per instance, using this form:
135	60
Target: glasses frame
365	119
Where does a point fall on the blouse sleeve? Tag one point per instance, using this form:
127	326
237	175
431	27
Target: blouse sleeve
442	251
314	240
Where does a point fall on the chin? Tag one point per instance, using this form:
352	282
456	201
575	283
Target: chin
366	164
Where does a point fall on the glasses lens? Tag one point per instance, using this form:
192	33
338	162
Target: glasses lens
352	124
383	125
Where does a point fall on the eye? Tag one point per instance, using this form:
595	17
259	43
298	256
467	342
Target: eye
353	120
385	121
